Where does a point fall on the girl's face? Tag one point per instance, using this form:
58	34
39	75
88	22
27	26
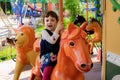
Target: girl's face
50	23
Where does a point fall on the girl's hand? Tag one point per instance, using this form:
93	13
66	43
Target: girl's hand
60	27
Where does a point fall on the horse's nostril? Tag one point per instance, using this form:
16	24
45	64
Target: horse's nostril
83	65
91	65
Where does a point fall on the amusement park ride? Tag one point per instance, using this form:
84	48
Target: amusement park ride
73	40
73	43
111	53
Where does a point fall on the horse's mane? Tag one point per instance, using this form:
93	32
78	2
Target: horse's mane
30	33
22	51
95	20
79	19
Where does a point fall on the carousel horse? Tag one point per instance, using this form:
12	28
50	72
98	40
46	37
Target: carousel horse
95	27
27	47
73	56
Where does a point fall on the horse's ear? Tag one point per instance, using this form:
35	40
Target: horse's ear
71	27
83	25
83	34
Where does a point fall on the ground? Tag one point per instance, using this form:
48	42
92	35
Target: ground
7	70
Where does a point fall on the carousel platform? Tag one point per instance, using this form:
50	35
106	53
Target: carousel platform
7	70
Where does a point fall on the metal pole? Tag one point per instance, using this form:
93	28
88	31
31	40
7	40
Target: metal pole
61	10
87	10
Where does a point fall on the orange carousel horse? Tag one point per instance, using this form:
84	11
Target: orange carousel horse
73	56
94	26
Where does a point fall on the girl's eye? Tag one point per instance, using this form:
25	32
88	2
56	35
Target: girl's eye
47	20
52	20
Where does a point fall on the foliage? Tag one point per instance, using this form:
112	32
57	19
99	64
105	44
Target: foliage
5	0
82	9
88	1
66	22
73	7
84	1
96	44
6	54
54	1
6	7
39	29
41	1
77	7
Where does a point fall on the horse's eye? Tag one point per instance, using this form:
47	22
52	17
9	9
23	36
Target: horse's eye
22	34
72	43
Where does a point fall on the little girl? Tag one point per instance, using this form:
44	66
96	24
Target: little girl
49	44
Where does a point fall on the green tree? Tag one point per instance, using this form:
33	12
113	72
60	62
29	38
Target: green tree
5	6
73	7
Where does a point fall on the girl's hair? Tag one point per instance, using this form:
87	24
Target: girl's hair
52	14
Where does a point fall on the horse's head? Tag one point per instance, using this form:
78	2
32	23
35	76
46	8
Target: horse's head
95	26
25	37
73	40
